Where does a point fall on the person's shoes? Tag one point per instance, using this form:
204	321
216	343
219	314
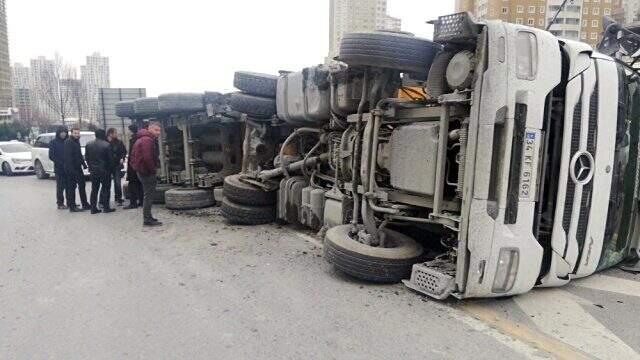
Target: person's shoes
62	207
95	211
120	203
152	222
108	210
86	207
130	207
74	209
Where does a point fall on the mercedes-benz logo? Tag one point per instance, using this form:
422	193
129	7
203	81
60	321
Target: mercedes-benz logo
582	168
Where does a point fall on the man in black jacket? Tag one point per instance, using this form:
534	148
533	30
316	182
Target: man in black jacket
119	153
135	186
73	165
56	154
100	159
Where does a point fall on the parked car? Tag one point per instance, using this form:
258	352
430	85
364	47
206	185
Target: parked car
15	158
42	165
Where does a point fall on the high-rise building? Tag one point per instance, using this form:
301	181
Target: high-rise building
41	80
626	12
22	94
348	16
95	76
6	94
579	19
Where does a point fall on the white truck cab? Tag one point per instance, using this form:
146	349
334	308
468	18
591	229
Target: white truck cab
550	186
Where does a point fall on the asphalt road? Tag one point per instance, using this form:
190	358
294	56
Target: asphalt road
78	286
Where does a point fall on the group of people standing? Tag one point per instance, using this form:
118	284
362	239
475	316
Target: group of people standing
105	158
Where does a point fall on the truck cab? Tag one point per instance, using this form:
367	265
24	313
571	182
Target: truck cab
550	186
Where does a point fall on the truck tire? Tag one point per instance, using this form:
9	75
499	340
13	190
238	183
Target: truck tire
389	50
125	109
245	194
375	264
247	215
146	107
188	199
253	106
161	189
181	103
213	98
256	84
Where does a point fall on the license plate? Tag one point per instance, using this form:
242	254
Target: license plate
529	165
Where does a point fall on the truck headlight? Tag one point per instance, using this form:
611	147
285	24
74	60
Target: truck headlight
506	270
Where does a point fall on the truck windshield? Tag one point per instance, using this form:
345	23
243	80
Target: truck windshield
15	148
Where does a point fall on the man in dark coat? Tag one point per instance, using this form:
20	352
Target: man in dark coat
73	165
99	157
135	186
119	153
56	154
146	161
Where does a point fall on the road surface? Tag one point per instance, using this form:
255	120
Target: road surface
78	286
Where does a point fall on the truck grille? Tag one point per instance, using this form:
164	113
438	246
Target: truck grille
587	190
581	218
571	187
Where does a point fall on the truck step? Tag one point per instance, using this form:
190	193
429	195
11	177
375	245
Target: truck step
434	278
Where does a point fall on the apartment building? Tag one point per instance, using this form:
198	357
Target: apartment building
578	20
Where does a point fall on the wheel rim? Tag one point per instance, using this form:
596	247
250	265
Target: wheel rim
6	169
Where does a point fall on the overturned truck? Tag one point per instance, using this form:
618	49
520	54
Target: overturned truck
511	164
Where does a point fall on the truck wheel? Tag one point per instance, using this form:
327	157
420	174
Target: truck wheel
6	169
161	189
40	173
188	199
245	194
247	215
256	84
253	106
376	264
388	50
181	102
146	107
125	109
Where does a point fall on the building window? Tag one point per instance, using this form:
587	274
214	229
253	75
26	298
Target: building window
594	23
584	23
531	22
519	21
594	36
595	11
541	9
519	9
607	11
505	10
584	35
541	22
585	10
532	9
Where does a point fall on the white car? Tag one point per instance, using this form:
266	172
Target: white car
43	166
15	158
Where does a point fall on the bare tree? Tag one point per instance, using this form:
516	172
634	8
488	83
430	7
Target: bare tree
53	88
79	99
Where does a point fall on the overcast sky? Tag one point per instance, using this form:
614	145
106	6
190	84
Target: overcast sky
188	45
